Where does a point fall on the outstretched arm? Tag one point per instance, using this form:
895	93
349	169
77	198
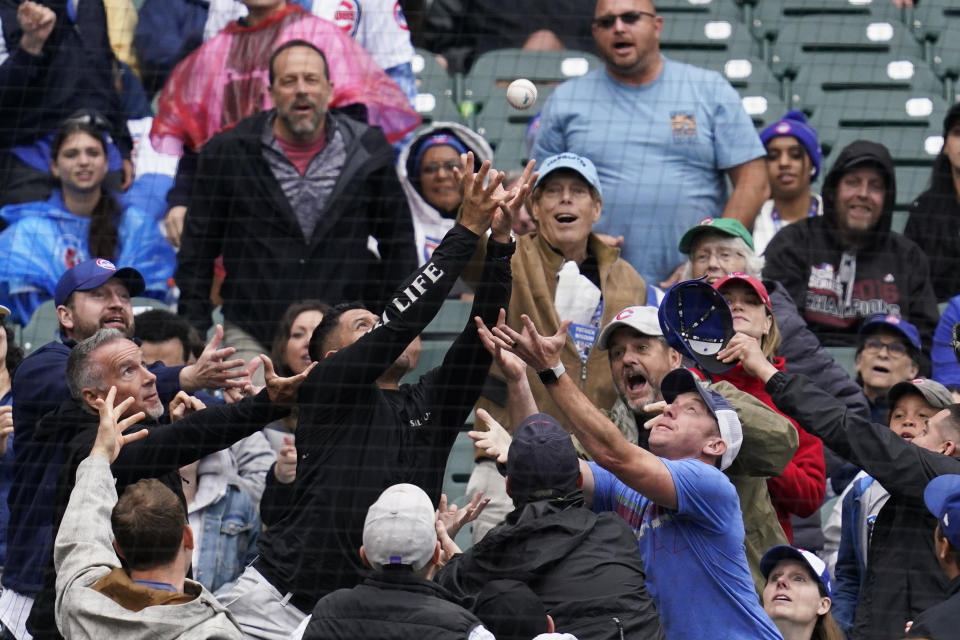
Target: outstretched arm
637	468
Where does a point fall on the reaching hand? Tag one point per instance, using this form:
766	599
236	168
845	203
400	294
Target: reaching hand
212	370
513	199
110	438
609	240
479	202
6	427
283	390
286	468
747	350
448	549
173	224
454	519
512	366
495	441
183	405
36	22
540	352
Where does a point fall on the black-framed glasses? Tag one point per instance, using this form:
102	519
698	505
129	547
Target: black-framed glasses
895	349
628	17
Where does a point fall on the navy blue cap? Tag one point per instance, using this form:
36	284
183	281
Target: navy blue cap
542	462
93	273
731	431
784	552
896	323
942	497
696	320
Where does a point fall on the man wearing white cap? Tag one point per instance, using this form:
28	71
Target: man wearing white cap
397	600
684	510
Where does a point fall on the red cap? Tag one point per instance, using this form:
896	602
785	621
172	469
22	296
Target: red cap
754	283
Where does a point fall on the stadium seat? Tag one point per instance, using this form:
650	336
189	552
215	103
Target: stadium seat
435	90
450	320
842	40
485	90
846	358
768	18
944	55
931	19
41	329
455	479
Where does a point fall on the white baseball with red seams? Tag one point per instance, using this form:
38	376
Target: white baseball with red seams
521	94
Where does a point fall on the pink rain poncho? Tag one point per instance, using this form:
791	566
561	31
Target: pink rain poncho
226	80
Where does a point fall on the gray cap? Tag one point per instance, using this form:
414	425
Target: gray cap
936	395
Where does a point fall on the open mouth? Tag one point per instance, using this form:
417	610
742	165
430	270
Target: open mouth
882	370
636	383
782	598
622	47
114	321
565	218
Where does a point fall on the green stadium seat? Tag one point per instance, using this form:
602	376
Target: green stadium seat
846	358
899	222
41	329
455	479
450	320
944	57
769	17
485	91
931	19
494	70
435	90
722	35
912	180
843	40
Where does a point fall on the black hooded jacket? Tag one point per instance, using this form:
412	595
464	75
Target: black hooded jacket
837	284
584	567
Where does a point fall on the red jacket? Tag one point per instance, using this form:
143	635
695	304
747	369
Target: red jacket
801	487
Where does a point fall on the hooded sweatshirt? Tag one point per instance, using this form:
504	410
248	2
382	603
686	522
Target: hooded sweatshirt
429	223
838	283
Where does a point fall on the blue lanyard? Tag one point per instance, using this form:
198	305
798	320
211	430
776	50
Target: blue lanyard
778	221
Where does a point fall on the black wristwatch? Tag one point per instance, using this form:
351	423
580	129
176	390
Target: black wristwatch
552	375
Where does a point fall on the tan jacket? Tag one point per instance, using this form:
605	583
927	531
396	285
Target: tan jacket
535	267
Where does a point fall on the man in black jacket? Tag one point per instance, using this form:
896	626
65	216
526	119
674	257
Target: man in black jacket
903	577
397	600
354	438
289	198
584	566
847	264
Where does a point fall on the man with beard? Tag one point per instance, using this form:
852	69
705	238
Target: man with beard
92	295
639	359
290	197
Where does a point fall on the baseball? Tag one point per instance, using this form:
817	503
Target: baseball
521	94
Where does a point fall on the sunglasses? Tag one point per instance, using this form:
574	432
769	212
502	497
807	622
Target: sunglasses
628	17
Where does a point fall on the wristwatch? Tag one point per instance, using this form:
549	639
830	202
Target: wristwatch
552	375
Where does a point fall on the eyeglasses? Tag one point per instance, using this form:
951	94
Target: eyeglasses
895	349
434	167
628	17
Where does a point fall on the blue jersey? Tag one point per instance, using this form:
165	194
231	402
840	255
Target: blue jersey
694	556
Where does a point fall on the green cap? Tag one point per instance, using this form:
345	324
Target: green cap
728	226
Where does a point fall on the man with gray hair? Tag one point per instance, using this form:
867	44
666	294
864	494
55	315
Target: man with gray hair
109	359
397	600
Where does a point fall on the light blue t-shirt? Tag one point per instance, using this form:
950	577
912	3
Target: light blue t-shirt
660	150
697	570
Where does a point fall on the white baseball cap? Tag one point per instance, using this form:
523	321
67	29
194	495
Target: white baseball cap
639	318
399	528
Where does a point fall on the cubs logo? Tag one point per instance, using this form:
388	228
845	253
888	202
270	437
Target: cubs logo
347	17
626	313
783	128
103	263
399	17
683	125
706	222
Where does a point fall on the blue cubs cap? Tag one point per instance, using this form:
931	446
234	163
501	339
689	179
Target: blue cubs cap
93	273
785	552
794	124
542	462
942	497
731	432
441	139
898	324
571	161
696	320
